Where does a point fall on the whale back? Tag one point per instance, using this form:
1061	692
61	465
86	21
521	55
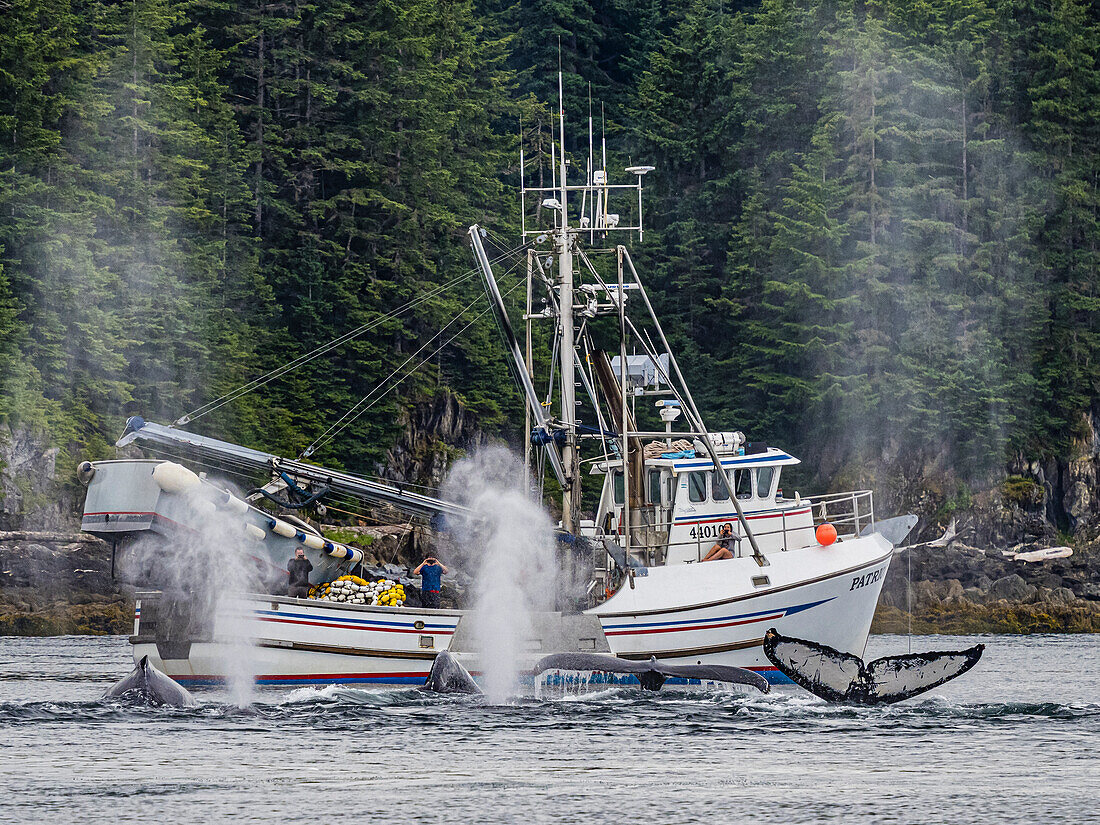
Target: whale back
449	676
145	685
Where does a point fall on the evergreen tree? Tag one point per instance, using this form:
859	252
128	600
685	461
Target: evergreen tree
796	346
872	222
1059	62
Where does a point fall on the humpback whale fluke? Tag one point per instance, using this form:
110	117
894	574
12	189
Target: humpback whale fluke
148	686
842	677
449	676
652	674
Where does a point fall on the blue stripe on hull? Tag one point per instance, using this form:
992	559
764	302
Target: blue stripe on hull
773	676
686	623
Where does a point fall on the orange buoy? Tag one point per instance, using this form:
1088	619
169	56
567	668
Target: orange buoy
825	534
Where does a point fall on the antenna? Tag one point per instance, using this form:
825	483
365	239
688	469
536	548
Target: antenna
603	134
603	149
553	163
592	217
561	128
593	211
522	189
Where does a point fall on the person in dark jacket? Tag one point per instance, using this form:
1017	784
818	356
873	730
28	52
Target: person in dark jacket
299	569
431	581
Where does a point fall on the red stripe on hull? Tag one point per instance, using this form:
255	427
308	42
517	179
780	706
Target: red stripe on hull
733	517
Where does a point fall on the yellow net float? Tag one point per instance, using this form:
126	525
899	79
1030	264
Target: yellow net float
355	590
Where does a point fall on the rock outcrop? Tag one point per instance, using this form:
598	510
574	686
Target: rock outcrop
30	492
435	432
59	584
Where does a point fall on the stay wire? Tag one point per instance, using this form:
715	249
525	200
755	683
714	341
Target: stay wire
909	592
338	426
358	409
397	383
305	358
323	349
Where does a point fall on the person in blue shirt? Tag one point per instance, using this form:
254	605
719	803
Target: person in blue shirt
431	581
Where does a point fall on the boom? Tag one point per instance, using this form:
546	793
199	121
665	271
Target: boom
204	448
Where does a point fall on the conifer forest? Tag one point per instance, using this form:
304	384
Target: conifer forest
873	228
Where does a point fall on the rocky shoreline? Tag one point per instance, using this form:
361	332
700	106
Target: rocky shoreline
61	584
963	589
55	584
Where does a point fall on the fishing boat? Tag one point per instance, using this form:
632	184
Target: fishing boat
623	415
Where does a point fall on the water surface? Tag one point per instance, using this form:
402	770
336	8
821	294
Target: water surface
1014	740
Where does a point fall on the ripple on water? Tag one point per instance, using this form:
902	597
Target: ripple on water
1004	743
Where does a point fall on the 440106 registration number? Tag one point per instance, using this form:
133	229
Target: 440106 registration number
708	531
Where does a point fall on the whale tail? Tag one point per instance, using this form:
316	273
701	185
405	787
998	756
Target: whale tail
842	677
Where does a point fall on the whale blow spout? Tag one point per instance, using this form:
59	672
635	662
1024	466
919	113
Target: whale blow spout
148	686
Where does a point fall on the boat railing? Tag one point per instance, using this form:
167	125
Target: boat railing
849	512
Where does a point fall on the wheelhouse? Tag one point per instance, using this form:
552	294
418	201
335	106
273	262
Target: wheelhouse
682	504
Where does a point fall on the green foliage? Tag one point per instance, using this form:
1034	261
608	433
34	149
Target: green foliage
1022	491
196	193
961	501
903	277
353	537
874	228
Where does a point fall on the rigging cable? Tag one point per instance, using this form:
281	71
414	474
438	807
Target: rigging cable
909	592
372	397
323	349
336	430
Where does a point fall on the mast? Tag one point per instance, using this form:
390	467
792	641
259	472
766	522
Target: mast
564	243
570	505
534	406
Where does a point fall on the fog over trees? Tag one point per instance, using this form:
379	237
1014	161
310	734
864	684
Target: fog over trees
874	238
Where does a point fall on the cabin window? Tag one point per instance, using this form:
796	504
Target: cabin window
719	490
697	486
618	490
742	483
653	488
764	478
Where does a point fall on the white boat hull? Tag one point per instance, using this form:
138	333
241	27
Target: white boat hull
712	612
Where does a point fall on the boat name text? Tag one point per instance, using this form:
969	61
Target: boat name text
867	578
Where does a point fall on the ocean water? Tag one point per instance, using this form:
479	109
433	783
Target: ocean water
1017	739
